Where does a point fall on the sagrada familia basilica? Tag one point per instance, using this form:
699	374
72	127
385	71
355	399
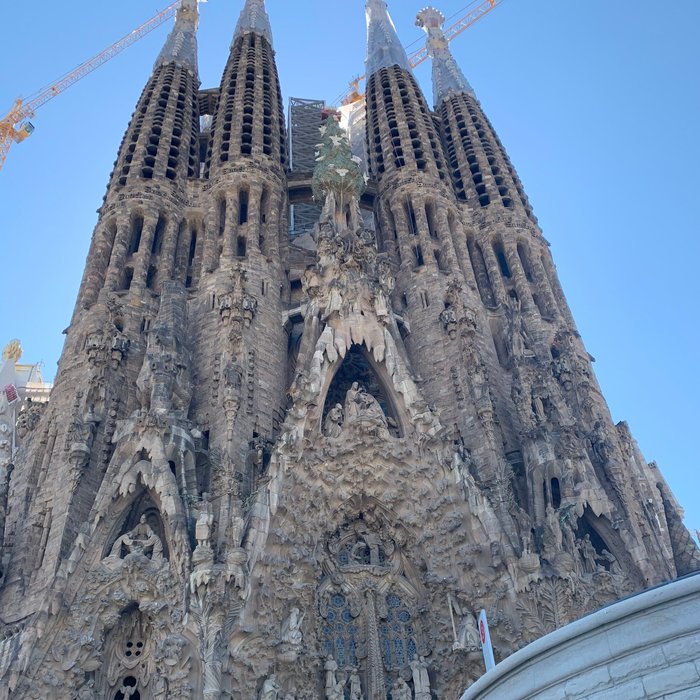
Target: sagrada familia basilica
270	470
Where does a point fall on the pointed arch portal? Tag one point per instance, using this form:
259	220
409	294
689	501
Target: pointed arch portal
358	367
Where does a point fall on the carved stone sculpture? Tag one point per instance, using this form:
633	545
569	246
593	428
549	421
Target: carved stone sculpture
270	688
333	424
421	679
204	523
291	628
401	691
139	541
355	685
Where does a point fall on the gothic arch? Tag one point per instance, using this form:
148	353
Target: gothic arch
360	366
604	536
145	506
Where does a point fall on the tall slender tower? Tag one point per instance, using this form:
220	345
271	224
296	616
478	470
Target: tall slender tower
275	468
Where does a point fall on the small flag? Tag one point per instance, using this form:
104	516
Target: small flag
11	393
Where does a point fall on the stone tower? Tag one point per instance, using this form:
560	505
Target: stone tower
271	470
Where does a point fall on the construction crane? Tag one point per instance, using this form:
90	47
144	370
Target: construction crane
473	13
15	127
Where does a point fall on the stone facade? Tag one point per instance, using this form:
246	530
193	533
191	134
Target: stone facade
271	470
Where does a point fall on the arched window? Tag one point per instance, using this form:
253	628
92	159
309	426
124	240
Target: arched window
340	632
396	633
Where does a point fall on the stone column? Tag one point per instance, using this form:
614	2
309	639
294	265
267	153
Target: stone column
119	250
494	273
522	286
143	257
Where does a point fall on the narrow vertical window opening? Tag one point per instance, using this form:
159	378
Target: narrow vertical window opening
136	231
411	216
222	217
502	262
243	207
556	493
158	237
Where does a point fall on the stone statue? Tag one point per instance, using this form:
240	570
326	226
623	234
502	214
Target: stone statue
607	557
363	409
367	548
79	546
333	425
270	688
421	679
449	320
160	687
355	685
588	554
141	540
204	523
291	628
351	402
249	307
337	692
330	667
401	691
525	527
466	633
553	538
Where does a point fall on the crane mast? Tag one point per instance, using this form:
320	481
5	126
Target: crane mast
15	126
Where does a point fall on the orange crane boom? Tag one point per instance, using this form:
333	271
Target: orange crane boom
15	126
474	12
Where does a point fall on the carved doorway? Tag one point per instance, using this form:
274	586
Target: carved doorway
370	628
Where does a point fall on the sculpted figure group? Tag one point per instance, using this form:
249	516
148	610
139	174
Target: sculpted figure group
361	410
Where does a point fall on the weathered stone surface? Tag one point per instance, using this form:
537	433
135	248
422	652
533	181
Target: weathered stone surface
281	471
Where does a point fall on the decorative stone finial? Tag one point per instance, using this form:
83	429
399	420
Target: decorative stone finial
181	45
383	46
254	18
12	351
448	78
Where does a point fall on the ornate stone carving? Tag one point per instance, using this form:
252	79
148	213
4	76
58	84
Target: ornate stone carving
421	679
270	688
142	541
291	628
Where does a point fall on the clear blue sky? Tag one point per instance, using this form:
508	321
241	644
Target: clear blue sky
597	103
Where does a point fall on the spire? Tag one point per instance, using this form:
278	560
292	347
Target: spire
181	45
448	78
383	46
254	19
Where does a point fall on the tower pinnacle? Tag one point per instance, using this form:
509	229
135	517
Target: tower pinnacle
383	46
448	78
254	18
181	45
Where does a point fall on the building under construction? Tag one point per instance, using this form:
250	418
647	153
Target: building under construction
303	469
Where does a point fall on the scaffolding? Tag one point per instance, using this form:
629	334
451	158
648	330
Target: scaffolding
304	136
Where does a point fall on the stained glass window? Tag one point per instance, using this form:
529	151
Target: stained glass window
396	633
340	633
